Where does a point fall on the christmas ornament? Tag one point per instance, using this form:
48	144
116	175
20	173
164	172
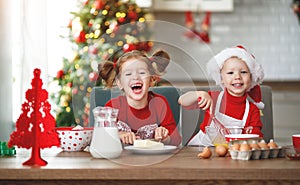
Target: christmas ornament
85	2
121	20
93	76
203	34
204	28
79	37
132	15
35	128
189	20
129	47
75	91
69	84
145	46
93	50
60	74
99	4
90	24
296	8
190	24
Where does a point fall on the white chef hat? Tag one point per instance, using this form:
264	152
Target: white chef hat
215	65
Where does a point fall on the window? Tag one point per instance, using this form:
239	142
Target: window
37	27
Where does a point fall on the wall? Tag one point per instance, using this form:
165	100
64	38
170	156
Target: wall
269	29
286	108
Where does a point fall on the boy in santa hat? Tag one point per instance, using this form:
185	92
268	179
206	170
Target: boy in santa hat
239	75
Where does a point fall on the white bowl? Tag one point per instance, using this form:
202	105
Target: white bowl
235	130
74	140
236	137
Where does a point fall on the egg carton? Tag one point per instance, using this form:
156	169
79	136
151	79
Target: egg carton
257	154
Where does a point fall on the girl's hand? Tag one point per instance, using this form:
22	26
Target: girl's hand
127	137
161	134
204	100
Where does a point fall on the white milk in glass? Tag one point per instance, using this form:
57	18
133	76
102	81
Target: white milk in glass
106	143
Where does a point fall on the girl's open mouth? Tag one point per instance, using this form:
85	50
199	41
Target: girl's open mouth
137	88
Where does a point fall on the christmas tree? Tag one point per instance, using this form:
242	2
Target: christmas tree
101	30
35	127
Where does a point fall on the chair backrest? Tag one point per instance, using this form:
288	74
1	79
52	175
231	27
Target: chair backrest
191	119
188	121
100	95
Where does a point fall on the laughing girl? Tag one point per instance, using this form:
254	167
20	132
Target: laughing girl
143	114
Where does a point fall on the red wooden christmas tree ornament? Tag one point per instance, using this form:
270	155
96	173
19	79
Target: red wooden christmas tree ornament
35	128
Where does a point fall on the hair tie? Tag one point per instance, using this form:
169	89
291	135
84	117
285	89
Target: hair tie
151	59
115	65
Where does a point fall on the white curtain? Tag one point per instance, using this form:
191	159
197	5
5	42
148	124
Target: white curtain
5	71
29	46
37	27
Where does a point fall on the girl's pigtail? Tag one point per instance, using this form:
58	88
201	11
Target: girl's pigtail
160	60
107	73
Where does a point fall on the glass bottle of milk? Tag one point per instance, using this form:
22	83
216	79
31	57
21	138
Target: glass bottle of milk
105	141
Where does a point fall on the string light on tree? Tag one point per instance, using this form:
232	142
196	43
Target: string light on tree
97	33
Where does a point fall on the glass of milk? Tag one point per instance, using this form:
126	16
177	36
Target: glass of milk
105	141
